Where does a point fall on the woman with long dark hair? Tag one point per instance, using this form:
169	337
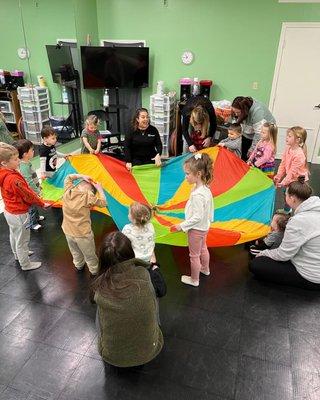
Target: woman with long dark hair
143	145
251	114
127	315
296	262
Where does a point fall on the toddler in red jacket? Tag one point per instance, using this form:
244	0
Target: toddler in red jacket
17	197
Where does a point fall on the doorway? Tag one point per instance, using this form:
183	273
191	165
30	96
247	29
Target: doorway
295	94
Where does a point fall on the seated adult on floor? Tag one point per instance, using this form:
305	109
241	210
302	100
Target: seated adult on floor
297	261
199	123
251	114
143	145
127	306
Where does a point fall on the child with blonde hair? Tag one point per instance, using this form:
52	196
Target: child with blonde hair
294	159
90	136
199	215
264	152
199	120
141	232
142	236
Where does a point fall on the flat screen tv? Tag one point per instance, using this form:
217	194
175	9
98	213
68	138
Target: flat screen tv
115	67
61	63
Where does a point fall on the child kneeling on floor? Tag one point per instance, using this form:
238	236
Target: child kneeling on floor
17	198
274	238
79	196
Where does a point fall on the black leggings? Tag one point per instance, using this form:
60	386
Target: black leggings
245	146
283	273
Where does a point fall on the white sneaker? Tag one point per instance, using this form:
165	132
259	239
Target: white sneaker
206	273
189	281
33	265
41	218
36	227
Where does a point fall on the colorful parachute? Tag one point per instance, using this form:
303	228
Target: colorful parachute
243	195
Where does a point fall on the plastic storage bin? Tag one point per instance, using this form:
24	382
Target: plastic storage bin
5	106
35	107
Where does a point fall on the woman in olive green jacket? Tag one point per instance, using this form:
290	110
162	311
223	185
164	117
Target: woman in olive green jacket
127	306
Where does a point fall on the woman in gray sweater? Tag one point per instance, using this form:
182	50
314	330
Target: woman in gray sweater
127	315
296	262
251	114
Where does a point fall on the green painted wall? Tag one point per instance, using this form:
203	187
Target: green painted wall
235	42
85	14
43	24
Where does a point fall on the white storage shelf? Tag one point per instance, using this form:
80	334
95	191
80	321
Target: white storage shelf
162	116
35	107
38	116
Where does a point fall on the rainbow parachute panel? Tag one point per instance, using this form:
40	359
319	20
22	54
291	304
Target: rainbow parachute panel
243	195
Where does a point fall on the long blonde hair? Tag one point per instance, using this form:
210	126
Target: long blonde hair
273	133
300	135
92	120
199	116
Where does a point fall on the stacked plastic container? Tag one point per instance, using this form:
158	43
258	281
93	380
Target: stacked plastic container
162	116
35	107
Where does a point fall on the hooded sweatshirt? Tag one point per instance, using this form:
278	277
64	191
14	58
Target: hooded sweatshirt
16	193
301	241
76	206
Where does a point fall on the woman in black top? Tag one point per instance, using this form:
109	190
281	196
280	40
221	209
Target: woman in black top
143	145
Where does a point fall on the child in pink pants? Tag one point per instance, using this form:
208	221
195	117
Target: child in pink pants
199	215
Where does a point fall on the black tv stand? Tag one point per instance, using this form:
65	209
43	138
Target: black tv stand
117	106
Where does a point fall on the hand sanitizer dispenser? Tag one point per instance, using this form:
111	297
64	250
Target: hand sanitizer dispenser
65	98
106	98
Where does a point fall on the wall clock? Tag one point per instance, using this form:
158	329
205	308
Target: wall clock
23	53
187	57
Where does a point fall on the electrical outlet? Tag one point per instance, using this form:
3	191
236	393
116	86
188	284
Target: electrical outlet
255	85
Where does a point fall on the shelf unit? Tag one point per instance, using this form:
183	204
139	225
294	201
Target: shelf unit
36	112
162	116
10	107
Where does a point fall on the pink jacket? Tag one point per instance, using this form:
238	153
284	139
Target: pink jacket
263	153
293	165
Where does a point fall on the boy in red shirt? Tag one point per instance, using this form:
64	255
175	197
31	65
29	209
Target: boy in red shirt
17	198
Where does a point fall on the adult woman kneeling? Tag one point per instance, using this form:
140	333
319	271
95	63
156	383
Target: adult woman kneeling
127	307
297	261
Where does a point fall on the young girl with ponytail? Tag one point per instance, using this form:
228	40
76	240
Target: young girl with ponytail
199	215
